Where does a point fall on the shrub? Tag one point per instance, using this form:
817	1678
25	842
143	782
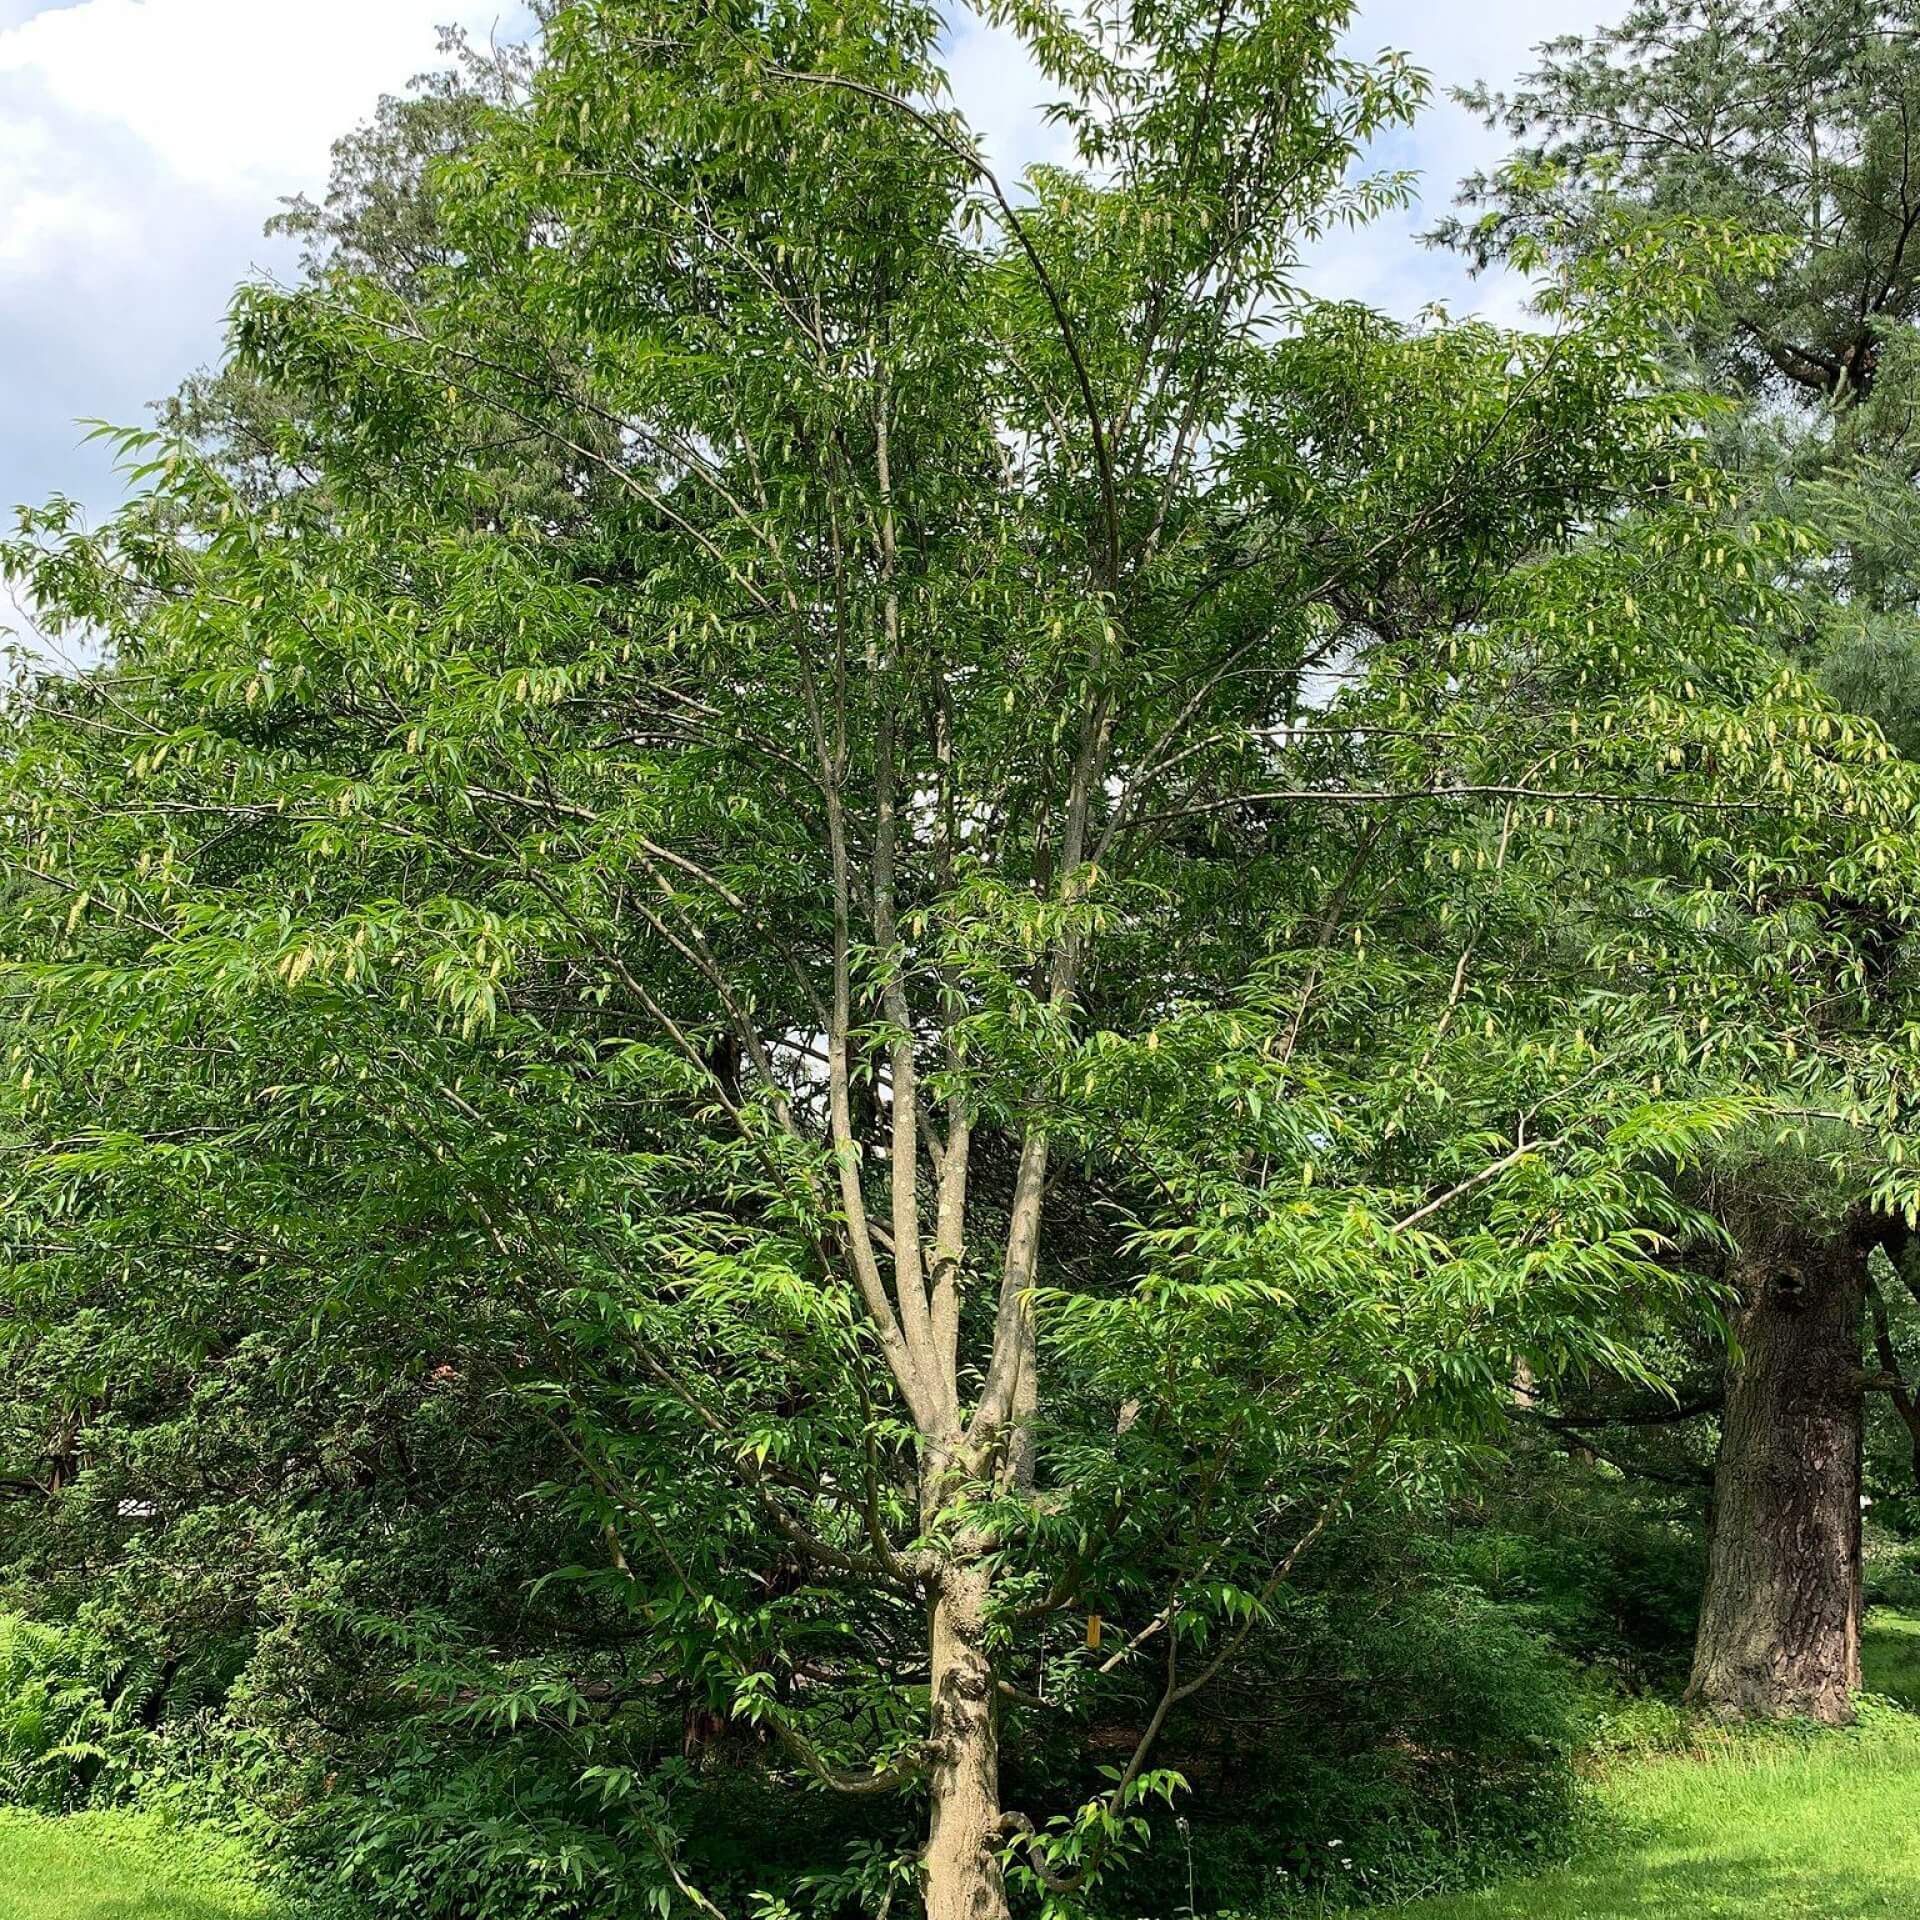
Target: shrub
1892	1572
74	1717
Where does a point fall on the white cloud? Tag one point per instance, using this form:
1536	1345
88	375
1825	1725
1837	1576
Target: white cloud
1455	42
142	143
1002	94
232	97
46	212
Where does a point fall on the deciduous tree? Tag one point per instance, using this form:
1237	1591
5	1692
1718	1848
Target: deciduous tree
1028	929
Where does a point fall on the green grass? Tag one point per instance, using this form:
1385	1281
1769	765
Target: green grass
1774	1826
118	1866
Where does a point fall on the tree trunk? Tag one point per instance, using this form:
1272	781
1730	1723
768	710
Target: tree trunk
1780	1620
963	1877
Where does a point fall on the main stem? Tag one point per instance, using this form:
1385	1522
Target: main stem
962	1859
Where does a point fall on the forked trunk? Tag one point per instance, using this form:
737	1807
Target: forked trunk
1780	1620
963	1877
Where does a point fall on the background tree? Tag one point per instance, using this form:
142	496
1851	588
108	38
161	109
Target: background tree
1799	123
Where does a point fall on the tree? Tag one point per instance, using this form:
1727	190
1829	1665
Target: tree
1798	123
1004	716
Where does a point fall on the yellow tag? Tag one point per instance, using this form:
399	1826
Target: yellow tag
1093	1633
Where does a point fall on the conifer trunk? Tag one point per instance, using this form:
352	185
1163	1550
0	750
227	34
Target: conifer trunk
963	1876
1780	1619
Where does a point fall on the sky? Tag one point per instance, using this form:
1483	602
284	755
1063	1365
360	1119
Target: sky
144	142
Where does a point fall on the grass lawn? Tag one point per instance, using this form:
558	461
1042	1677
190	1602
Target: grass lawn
114	1866
1768	1828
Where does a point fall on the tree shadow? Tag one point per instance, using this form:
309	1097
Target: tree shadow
1759	1886
150	1903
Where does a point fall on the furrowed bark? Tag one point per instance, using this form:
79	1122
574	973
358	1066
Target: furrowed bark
1779	1632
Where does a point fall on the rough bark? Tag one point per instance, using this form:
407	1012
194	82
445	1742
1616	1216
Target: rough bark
1780	1620
962	1860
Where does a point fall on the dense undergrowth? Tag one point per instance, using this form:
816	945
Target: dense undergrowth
1427	1715
395	1723
1802	1826
1417	1720
1681	1819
